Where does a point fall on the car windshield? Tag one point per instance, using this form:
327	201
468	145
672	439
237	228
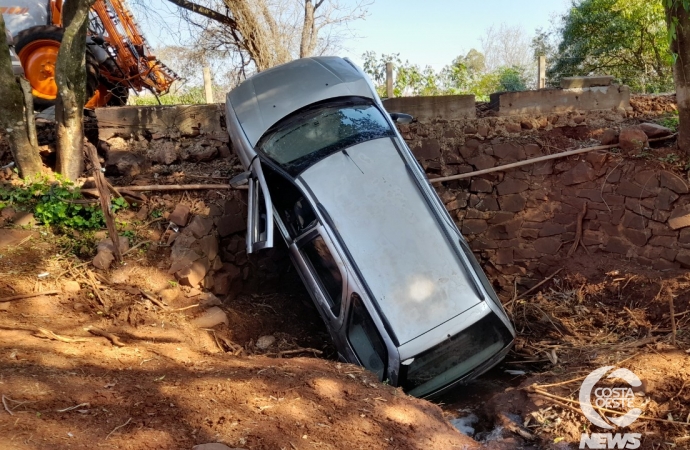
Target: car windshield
311	134
457	356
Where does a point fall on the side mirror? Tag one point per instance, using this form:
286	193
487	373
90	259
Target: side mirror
401	118
240	179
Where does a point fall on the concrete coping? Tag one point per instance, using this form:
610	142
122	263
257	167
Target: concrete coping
586	82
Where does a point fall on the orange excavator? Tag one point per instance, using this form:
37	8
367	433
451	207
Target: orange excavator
118	58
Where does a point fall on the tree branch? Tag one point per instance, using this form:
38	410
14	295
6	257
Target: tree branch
206	12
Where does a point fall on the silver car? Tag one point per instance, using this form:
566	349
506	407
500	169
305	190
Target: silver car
396	283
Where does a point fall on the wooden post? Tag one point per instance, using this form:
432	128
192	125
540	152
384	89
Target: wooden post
389	80
208	85
541	84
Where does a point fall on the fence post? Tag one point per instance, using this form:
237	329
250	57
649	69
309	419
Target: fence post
541	83
389	80
208	85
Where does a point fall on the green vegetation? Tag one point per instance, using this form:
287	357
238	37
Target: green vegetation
465	75
191	96
624	38
671	122
56	203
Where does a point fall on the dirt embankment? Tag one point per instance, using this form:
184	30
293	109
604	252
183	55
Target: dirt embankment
163	382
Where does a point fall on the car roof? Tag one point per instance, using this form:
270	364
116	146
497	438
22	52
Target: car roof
265	98
397	243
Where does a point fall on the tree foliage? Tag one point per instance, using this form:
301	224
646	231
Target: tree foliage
464	75
623	38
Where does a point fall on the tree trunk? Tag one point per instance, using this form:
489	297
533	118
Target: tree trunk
681	69
70	77
13	113
307	30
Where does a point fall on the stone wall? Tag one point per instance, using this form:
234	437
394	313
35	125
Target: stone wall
522	222
208	249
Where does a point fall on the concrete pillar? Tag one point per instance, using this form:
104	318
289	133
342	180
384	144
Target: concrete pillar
389	80
541	80
208	85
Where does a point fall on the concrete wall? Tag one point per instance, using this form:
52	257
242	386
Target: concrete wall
547	101
181	120
450	107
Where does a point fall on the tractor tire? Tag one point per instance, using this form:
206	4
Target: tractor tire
37	48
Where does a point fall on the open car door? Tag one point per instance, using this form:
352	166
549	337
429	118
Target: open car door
260	209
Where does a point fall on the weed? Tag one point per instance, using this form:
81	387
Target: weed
172	283
671	158
57	203
156	213
671	122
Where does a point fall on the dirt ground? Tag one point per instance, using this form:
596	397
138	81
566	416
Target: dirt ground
165	384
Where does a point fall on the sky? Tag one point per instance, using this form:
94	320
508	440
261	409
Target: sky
424	32
434	32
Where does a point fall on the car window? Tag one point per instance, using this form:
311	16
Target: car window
365	338
318	131
290	203
327	271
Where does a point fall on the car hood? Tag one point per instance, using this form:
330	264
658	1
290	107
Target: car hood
264	99
402	251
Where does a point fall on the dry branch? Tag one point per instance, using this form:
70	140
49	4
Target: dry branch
163	187
104	196
118	427
672	312
43	333
4	403
537	391
534	161
153	299
296	351
111	337
24	296
578	232
540	284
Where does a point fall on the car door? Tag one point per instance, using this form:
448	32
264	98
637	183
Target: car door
259	210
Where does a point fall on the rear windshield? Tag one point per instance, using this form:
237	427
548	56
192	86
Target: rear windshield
318	131
456	357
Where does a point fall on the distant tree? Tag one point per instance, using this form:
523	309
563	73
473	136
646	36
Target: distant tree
506	46
259	34
623	38
512	79
409	79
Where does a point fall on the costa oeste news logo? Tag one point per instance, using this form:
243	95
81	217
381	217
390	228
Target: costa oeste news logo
614	398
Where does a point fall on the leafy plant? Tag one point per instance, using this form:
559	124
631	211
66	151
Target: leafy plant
56	202
671	122
671	158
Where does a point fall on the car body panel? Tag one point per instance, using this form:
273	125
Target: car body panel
17	69
319	79
381	215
